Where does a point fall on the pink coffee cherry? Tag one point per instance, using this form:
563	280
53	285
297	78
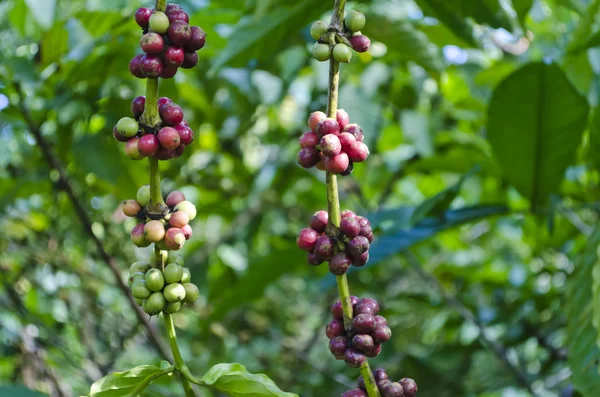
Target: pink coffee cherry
174	198
179	219
330	145
169	138
359	152
319	221
328	126
174	239
148	145
355	130
173	56
308	139
314	119
187	231
131	208
360	43
337	164
307	238
342	118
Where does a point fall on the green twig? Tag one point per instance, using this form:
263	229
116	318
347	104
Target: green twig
147	381
179	363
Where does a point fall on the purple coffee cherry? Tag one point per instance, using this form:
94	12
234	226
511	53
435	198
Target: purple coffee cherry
319	221
118	136
348	214
338	347
354	301
197	40
354	358
314	259
179	33
342	118
349	227
309	139
409	386
148	145
358	245
360	43
375	350
162	101
361	260
340	263
165	154
363	342
174	198
308	157
330	145
171	114
363	323
371	302
355	393
151	66
392	389
364	309
355	130
135	66
334	329
347	141
382	334
380	321
327	126
314	119
178	15
142	17
358	153
190	59
186	135
362	221
337	164
306	239
379	374
324	247
137	106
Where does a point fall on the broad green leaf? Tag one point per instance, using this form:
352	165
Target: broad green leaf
235	381
535	122
19	391
43	11
594	140
582	337
522	8
54	44
121	384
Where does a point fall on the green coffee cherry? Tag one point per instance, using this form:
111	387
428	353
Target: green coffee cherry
154	304
186	277
154	280
133	277
173	273
355	20
159	22
128	127
173	307
140	302
175	258
318	29
139	290
143	195
321	52
139	266
192	293
188	208
342	53
174	292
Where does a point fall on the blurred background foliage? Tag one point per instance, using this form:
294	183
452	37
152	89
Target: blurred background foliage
483	185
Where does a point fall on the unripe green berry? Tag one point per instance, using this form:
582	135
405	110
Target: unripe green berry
128	127
173	273
140	302
139	290
154	231
133	277
139	266
143	195
175	258
154	280
186	277
159	22
154	304
192	293
355	20
173	307
321	52
174	292
318	29
342	53
188	208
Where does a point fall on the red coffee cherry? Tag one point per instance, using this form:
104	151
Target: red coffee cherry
337	164
186	135
152	43
314	119
197	40
359	152
151	66
171	114
334	329
307	239
169	138
347	140
340	263
165	154
179	219
308	139
179	33
342	118
319	221
349	227
142	17
173	56
330	145
327	126
132	150
355	130
308	157
118	136
135	66
178	15
137	106
360	43
190	59
148	145
162	101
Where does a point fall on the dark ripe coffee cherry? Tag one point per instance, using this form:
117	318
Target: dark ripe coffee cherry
172	7
197	40
159	22
409	386
165	154
142	17
347	141
139	290
152	43
363	342
330	145
340	263
348	170
173	56
362	221
154	280
168	72
179	33
188	208
314	119
379	374
337	164
306	239
370	302
179	151
137	106
139	266
154	231
380	321
314	259
172	307
355	20
342	53
360	43
187	231
359	152
154	304
364	323
355	130
334	329
361	260
321	52
128	127
151	66
308	157
342	118
168	138
174	198
348	214
338	347
355	393
178	15
174	239
349	227
130	208
131	149
190	59
162	101
364	309
354	301
392	389
192	293
179	219
327	126
319	221
367	231
308	139
375	350
186	276
318	29
358	245
174	292
171	115
324	247
172	273
137	236
337	310
135	66
148	145
382	384
354	358
382	334
186	135
118	136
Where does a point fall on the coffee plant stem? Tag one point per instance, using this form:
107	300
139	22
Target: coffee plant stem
333	201
179	363
147	381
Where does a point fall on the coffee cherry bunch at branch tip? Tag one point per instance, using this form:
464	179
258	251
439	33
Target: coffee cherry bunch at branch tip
168	230
165	141
405	387
332	145
168	43
344	40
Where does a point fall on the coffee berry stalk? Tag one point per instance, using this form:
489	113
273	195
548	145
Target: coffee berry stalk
339	42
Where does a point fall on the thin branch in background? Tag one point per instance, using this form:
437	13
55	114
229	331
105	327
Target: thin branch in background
83	216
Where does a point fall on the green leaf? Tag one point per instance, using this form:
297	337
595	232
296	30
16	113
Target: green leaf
19	391
522	8
121	384
535	122
43	11
235	381
594	142
584	352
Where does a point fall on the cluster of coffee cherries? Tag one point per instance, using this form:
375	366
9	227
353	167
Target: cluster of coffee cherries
369	330
349	39
157	290
168	230
165	142
169	42
332	145
349	247
405	387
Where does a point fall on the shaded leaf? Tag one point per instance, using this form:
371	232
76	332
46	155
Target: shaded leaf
121	384
19	391
594	142
522	8
581	35
234	380
43	11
